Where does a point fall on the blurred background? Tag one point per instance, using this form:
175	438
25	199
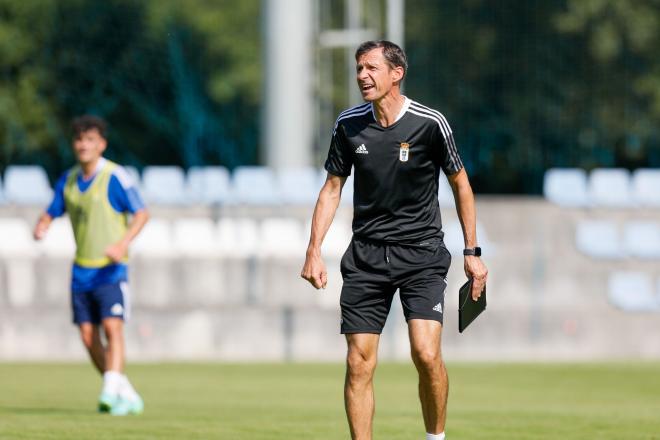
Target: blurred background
222	110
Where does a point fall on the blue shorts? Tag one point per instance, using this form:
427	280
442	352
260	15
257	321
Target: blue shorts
106	301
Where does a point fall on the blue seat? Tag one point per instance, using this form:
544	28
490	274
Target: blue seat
254	185
642	239
164	185
27	185
610	187
208	185
298	186
599	239
632	292
566	187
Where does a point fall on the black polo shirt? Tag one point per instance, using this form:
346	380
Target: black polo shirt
397	168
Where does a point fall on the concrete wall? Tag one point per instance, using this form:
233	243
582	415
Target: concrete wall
546	300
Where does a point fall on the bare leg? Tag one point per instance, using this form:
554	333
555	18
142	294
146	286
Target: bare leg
91	337
425	336
358	389
114	333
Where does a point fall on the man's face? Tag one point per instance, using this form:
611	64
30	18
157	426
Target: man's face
375	77
89	146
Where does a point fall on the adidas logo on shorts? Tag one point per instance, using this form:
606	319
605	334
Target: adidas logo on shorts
438	307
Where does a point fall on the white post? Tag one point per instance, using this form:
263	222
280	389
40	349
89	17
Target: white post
287	133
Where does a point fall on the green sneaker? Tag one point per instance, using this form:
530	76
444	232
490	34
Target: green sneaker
136	406
107	401
120	408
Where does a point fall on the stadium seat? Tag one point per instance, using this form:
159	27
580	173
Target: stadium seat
632	292
164	185
281	237
646	187
156	239
208	185
195	237
298	186
238	237
59	241
566	187
135	175
610	187
336	239
16	238
27	185
642	239
598	239
254	185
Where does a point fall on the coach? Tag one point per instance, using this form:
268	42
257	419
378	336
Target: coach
397	148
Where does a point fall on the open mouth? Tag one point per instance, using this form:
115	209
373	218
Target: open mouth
366	87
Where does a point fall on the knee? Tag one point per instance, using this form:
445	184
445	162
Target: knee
427	358
87	338
359	366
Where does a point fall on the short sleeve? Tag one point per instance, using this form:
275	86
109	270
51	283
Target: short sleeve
450	161
123	193
340	159
57	207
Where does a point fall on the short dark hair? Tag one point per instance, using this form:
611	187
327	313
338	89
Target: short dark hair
81	124
394	55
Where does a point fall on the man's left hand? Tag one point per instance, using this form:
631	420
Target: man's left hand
477	270
116	252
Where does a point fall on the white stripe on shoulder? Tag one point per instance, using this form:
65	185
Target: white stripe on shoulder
451	146
359	111
124	177
435	113
354	109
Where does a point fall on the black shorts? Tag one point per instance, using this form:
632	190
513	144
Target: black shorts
372	273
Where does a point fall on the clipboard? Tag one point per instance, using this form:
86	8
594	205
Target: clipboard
468	310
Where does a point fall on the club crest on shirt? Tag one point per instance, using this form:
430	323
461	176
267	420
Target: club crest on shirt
404	152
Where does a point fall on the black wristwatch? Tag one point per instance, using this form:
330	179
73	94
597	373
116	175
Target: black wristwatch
475	251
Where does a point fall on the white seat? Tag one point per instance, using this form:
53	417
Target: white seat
238	237
254	185
164	185
16	238
156	239
282	237
208	185
646	187
566	187
632	292
348	190
336	239
610	187
27	185
298	186
598	239
195	237
642	239
134	174
59	241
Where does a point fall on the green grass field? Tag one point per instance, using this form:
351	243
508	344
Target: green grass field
304	401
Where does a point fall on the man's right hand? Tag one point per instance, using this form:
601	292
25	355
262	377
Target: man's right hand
314	270
41	228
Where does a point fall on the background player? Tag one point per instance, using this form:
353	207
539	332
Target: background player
397	148
99	196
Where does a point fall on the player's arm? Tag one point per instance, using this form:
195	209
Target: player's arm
314	269
124	197
117	251
55	209
465	208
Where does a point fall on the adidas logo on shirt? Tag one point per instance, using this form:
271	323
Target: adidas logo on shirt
361	150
